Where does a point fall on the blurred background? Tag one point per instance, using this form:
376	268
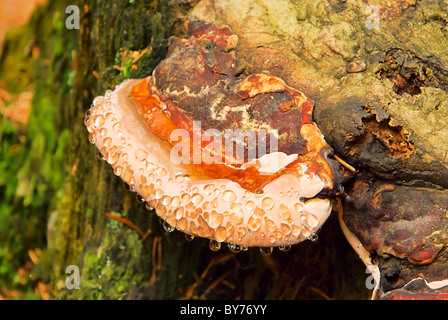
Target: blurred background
16	261
14	14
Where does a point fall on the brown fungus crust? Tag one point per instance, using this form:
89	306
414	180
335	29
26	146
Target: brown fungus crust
401	221
207	90
417	289
275	199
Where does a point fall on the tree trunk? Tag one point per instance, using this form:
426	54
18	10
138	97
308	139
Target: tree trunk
378	93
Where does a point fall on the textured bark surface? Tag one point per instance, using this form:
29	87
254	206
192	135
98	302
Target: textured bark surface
380	100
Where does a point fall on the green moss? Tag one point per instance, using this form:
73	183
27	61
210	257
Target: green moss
112	267
150	37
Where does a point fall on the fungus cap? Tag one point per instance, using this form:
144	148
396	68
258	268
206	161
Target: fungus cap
275	199
218	209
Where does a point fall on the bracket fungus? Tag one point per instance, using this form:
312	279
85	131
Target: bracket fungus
236	160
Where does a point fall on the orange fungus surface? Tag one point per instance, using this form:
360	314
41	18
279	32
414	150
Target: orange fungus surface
161	124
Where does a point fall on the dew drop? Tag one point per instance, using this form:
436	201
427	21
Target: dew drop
229	196
298	206
92	138
159	194
100	156
175	201
126	186
141	154
285	229
99	121
214	245
189	237
221	234
179	178
314	237
284	212
139	198
167	227
236	215
87	117
197	198
306	232
149	166
234	247
179	212
185	197
97	99
285	248
113	158
166	200
312	220
242	232
182	224
161	172
107	142
116	127
208	189
267	203
250	205
118	171
109	115
270	226
266	250
259	193
296	231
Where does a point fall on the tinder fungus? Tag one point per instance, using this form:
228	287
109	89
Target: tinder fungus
233	159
